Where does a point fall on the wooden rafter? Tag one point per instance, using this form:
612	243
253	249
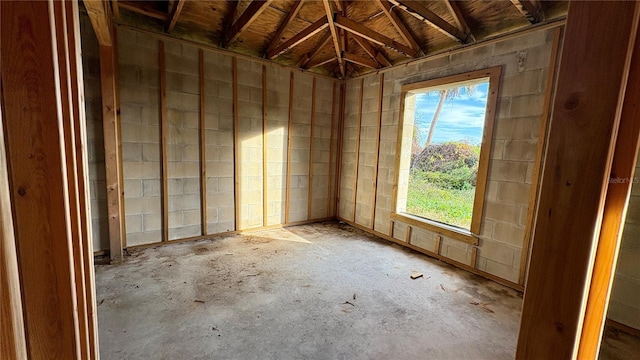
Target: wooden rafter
334	34
399	25
173	17
310	56
317	63
459	19
360	60
529	9
100	17
369	49
249	15
115	8
141	7
372	36
290	16
301	37
418	10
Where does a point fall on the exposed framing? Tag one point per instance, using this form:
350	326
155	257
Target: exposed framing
203	146
470	237
236	152
265	204
289	137
356	164
374	195
331	162
311	140
163	144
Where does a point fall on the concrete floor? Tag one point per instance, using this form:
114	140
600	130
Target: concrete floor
325	291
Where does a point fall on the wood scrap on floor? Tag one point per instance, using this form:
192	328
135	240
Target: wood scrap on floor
416	275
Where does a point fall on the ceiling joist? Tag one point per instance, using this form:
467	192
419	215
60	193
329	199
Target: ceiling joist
360	60
115	9
299	38
313	64
529	9
310	56
334	35
288	19
369	49
100	17
398	23
372	36
418	10
142	8
173	17
250	14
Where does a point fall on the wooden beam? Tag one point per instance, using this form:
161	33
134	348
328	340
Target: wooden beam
265	158
100	17
308	57
340	147
399	25
373	36
374	190
418	10
299	38
283	26
356	164
576	173
615	210
249	15
202	129
334	35
115	8
164	131
311	145
369	49
360	60
530	10
407	235
313	64
459	19
289	148
173	17
333	120
142	8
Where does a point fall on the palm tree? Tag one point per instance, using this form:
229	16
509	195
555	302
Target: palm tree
445	94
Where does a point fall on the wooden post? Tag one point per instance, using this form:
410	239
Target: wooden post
331	139
374	194
357	159
339	152
163	143
236	152
265	159
203	147
615	209
582	135
289	137
41	120
313	124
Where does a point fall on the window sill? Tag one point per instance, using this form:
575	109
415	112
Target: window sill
442	229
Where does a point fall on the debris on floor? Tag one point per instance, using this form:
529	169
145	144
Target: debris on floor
442	287
416	275
199	301
346	302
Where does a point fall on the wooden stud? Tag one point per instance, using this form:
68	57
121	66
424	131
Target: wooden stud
312	143
449	231
331	138
418	10
283	26
391	226
356	164
250	14
203	147
399	25
615	213
163	144
339	152
537	167
360	60
438	244
265	173
173	17
373	36
407	235
474	257
576	176
112	150
236	152
141	7
289	138
334	35
299	38
374	194
394	201
115	8
116	72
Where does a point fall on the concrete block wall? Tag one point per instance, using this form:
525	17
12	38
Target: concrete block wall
139	82
95	144
139	85
624	305
520	107
218	110
349	148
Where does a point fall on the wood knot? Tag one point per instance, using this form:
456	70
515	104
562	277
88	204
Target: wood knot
572	102
22	191
559	327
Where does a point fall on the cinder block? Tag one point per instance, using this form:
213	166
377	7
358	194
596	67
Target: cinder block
152	222
503	271
521	150
142	238
496	251
526	105
508	233
514	193
501	212
512	171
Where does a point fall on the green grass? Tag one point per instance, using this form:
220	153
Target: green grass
450	206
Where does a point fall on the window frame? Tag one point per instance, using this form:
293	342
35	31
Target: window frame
468	236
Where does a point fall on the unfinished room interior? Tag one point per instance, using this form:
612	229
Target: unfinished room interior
319	179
